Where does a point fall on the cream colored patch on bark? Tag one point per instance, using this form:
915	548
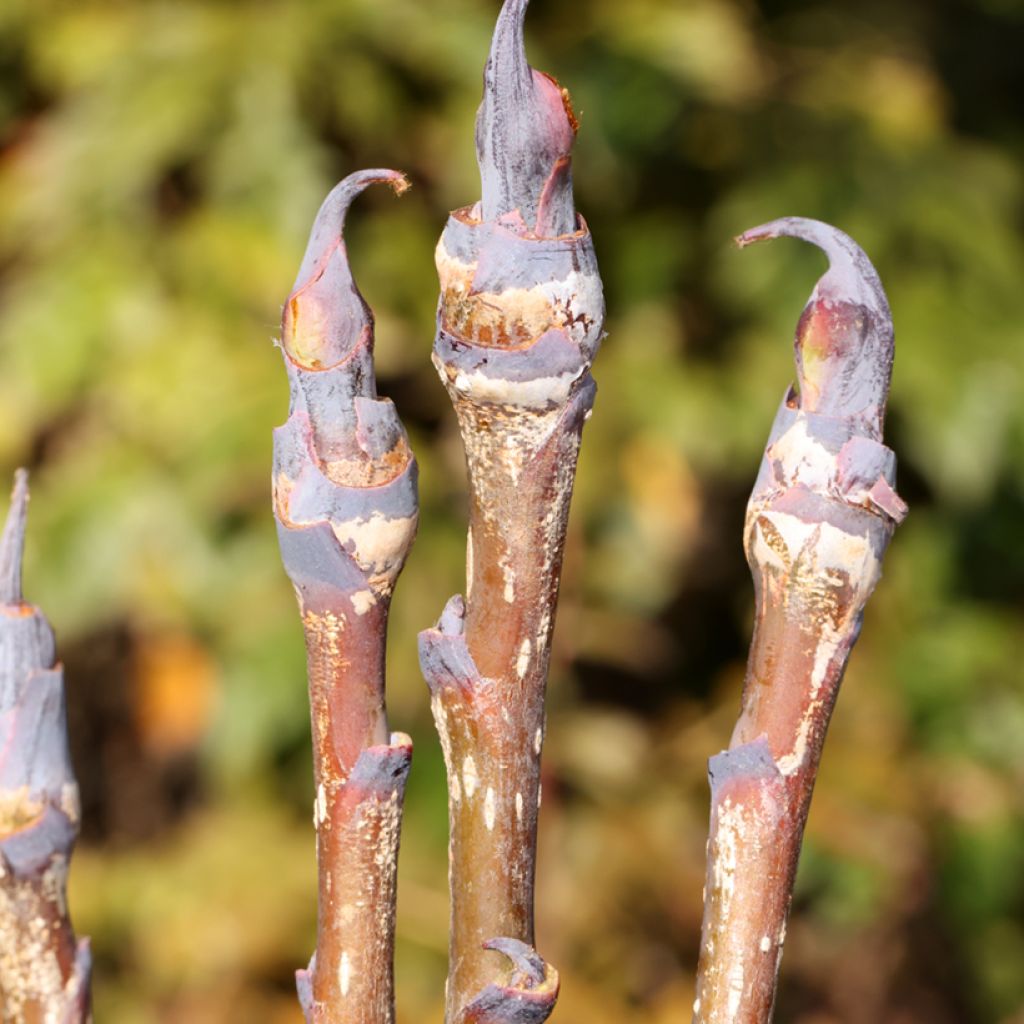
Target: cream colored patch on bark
728	838
833	549
440	713
766	943
829	642
523	661
508	574
70	801
538	741
470	777
345	973
320	814
378	545
539	393
573	303
543	627
519	806
363	601
803	460
735	990
30	972
490	809
819	560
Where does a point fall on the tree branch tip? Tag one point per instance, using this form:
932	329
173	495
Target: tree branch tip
329	224
340	198
357	181
12	541
524	124
750	237
401	184
844	338
803	228
513	11
842	251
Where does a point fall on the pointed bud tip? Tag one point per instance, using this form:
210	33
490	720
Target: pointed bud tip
844	340
12	541
529	967
525	129
325	316
329	224
758	234
399	182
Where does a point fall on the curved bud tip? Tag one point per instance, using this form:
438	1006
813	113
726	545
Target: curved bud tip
12	542
528	969
844	339
325	315
525	129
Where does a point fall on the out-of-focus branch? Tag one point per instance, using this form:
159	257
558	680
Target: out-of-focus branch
44	972
346	507
818	522
520	318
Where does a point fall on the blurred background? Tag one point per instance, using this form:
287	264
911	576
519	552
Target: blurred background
160	166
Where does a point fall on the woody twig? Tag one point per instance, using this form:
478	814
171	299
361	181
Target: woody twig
519	321
346	507
818	522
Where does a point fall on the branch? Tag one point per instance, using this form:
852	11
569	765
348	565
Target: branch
346	508
818	522
520	319
44	972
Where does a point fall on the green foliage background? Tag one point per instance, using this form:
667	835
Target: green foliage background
160	165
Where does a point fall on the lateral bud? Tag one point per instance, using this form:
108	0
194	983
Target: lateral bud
527	997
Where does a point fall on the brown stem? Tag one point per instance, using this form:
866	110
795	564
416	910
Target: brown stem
346	509
519	321
44	971
487	666
820	517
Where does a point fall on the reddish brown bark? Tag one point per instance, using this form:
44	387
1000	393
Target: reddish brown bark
519	321
44	971
820	517
346	508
